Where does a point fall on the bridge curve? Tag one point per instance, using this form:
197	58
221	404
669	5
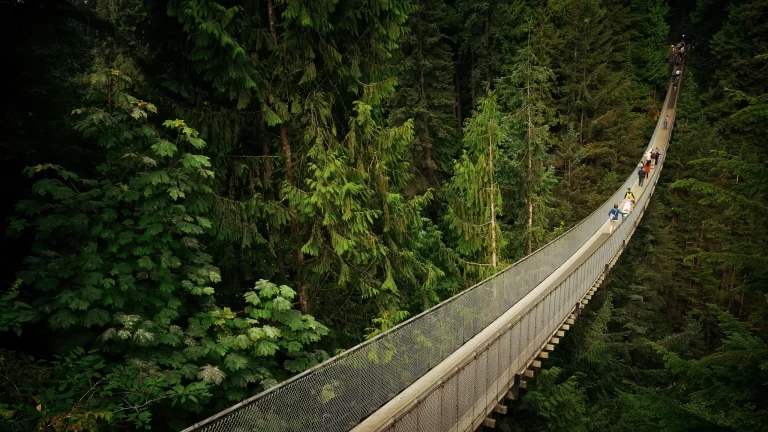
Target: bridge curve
449	367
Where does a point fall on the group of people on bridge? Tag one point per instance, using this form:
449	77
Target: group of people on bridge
677	58
649	162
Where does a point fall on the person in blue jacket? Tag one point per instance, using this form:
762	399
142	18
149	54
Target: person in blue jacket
613	217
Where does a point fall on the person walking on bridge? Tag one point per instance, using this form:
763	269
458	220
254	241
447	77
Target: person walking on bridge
613	217
656	154
640	174
666	121
629	195
626	206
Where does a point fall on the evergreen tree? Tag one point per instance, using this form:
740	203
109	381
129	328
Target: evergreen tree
526	90
299	160
681	335
302	49
473	196
362	227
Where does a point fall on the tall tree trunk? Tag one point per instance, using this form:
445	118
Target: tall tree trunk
529	134
453	83
494	257
427	143
265	150
272	31
286	144
529	180
295	230
278	248
271	16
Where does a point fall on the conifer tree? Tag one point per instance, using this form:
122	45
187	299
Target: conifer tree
526	90
473	196
300	50
362	228
597	100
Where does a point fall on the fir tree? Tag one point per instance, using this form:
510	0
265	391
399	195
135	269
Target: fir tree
526	90
474	199
362	227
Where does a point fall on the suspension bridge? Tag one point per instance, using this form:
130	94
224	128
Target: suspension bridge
451	367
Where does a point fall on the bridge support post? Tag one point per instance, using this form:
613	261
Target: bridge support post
515	390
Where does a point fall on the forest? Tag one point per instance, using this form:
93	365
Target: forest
204	198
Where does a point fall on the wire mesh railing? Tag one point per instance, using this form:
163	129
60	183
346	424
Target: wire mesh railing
337	394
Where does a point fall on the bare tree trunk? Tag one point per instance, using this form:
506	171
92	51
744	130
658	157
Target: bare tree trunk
453	83
286	144
265	150
281	264
486	38
529	181
295	230
494	258
271	16
427	143
271	194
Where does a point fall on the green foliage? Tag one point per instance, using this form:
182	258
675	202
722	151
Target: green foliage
121	257
526	90
725	387
362	228
604	117
562	405
650	43
15	313
81	391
